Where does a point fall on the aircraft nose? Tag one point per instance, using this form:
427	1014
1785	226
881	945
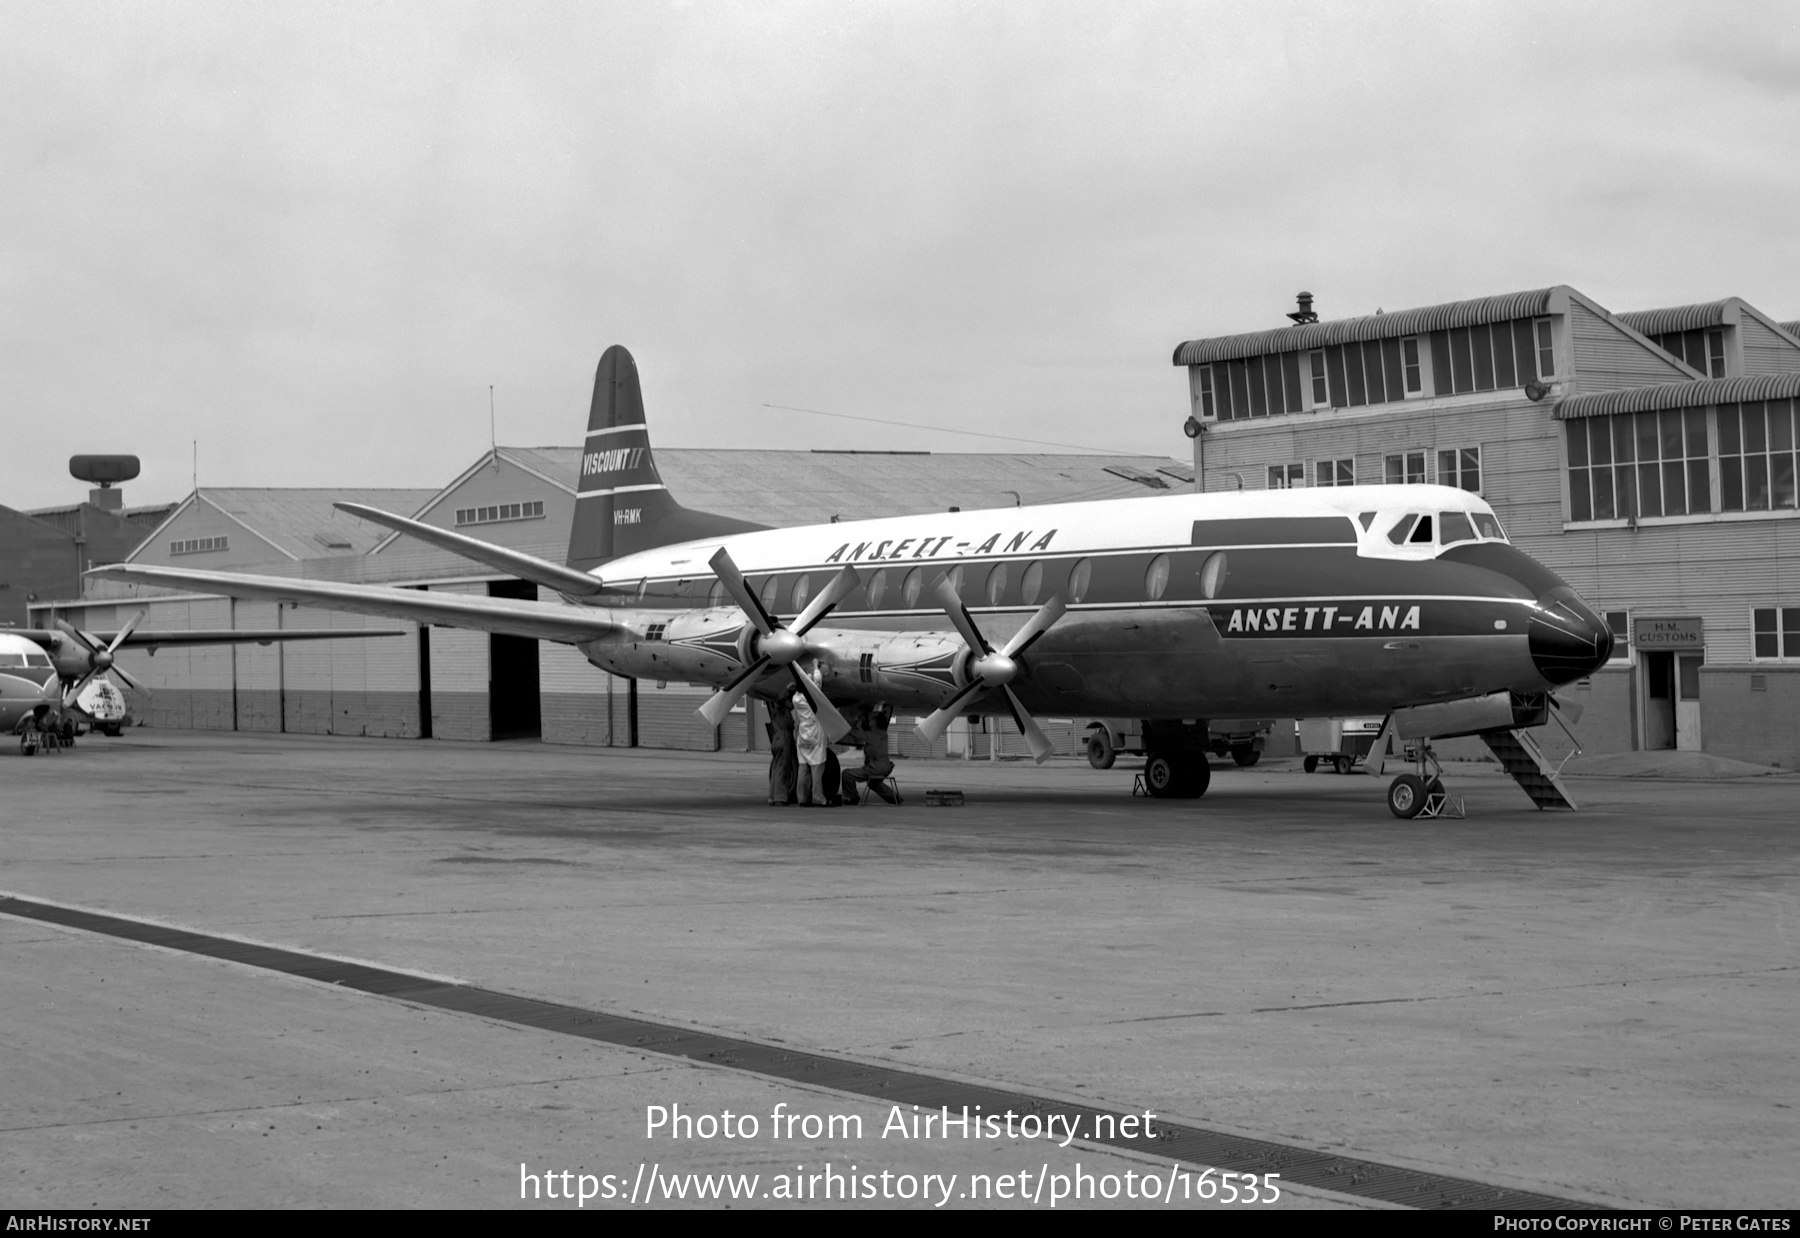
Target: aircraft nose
1567	639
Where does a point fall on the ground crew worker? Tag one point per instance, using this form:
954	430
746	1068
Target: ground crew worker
781	752
870	731
809	747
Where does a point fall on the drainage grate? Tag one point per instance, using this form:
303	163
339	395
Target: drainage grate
1194	1145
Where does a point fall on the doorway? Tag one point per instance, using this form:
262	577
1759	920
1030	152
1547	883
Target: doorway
1672	700
515	710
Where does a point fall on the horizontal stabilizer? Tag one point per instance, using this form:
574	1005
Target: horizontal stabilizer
556	621
513	562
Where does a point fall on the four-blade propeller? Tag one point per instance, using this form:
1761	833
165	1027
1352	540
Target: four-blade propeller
777	645
100	658
990	669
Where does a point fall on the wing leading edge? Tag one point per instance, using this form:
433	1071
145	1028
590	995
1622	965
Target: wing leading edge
554	621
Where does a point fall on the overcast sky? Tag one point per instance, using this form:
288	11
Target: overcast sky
311	235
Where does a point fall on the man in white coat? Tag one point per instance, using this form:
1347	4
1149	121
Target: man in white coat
809	746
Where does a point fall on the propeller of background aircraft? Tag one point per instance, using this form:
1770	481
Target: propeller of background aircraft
100	658
991	669
777	645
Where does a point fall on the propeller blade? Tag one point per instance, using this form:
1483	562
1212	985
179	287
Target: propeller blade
721	702
122	673
829	718
126	631
727	571
929	729
74	690
836	590
1036	740
81	638
959	615
1036	626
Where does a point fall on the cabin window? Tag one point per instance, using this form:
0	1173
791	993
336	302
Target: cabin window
953	578
1455	527
770	591
996	584
1212	574
1079	576
877	588
1031	583
912	587
716	595
802	593
1156	577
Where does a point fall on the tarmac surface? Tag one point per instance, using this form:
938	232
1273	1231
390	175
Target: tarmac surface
1595	1005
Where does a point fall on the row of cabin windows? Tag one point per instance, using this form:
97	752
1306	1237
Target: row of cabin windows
1456	466
1035	582
499	512
1678	462
1702	349
1488	357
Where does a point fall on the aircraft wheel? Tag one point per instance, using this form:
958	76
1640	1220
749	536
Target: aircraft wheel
1406	796
1342	763
1310	764
1162	776
68	734
1245	755
27	747
1100	752
1196	777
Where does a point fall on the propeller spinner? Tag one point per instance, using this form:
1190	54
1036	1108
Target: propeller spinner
991	668
778	646
100	658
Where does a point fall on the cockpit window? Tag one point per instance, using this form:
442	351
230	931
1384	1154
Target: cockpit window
37	659
1367	519
1397	534
1489	527
1455	527
12	659
1423	532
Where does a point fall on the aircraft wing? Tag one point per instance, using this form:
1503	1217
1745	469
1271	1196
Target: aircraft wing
155	638
517	563
556	621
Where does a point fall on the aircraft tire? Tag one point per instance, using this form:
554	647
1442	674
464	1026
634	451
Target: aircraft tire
1177	775
1197	777
1245	755
1310	764
1100	752
1406	796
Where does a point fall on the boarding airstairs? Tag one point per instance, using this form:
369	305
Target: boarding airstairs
1536	775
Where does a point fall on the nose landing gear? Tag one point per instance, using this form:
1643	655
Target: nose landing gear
1422	794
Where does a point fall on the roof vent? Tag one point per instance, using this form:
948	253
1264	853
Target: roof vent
1305	313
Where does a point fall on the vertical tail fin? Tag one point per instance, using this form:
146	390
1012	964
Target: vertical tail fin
622	505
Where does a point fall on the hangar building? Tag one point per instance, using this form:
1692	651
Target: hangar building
458	684
1648	457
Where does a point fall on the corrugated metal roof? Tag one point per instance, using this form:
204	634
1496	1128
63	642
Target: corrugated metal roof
304	522
1679	317
1792	328
1680	395
1370	327
810	487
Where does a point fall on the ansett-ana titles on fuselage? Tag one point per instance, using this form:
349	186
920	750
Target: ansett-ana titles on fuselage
1302	602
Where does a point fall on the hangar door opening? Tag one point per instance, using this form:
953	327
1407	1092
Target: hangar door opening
514	708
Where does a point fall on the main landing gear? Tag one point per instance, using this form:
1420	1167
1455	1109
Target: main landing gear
1175	760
